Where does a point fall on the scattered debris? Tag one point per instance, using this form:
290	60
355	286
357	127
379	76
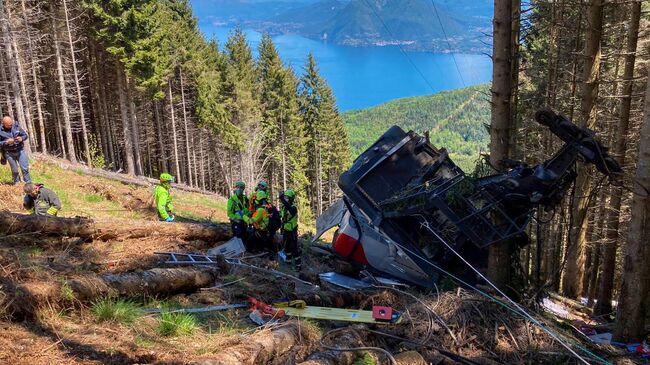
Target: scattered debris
343	281
214	308
232	248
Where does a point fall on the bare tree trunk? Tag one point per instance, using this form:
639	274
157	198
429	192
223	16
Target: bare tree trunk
122	84
177	169
69	141
5	27
37	89
202	163
190	178
499	265
75	72
572	280
3	75
28	122
604	303
630	315
162	156
135	133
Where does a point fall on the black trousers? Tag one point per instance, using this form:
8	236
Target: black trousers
261	241
239	229
292	248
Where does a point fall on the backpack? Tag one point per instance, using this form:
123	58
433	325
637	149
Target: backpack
274	218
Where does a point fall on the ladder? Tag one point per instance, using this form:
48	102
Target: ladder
177	258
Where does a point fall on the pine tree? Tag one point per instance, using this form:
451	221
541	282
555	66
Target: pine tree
328	149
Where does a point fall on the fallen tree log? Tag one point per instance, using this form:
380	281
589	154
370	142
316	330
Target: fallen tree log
149	282
576	306
25	299
12	223
260	348
346	339
410	358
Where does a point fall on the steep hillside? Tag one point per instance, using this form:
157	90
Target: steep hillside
413	23
456	120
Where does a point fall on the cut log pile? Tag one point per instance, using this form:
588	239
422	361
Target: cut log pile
27	297
12	223
260	348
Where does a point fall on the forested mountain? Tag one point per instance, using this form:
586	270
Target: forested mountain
410	22
440	26
457	120
134	87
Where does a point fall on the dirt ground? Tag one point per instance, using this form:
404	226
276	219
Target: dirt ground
62	329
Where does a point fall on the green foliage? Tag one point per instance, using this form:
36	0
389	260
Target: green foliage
66	292
365	359
328	150
176	324
97	159
455	120
122	311
93	198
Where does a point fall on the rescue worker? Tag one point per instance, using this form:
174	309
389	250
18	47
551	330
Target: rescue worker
41	200
238	209
289	217
261	186
12	143
163	199
259	220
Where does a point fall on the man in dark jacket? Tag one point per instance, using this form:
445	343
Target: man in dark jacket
41	200
12	143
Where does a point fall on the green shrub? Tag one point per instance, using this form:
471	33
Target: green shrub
122	311
176	324
93	198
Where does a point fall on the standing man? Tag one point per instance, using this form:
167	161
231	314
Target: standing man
261	186
289	216
163	198
41	200
237	210
12	143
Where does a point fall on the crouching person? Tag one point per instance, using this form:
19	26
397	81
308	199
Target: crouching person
41	200
289	216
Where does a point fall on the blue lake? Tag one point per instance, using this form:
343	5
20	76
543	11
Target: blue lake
366	76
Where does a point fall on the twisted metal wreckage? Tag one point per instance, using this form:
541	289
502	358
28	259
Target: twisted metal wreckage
411	214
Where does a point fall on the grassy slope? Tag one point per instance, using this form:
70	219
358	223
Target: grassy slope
96	197
455	119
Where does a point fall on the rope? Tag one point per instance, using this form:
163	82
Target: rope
516	309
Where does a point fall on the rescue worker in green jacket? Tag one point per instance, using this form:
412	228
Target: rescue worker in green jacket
289	217
163	199
259	220
238	209
41	200
261	186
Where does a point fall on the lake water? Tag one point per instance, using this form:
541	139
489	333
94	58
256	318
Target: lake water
366	76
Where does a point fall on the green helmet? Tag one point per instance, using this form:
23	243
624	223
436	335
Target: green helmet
240	185
166	177
262	185
290	194
261	195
